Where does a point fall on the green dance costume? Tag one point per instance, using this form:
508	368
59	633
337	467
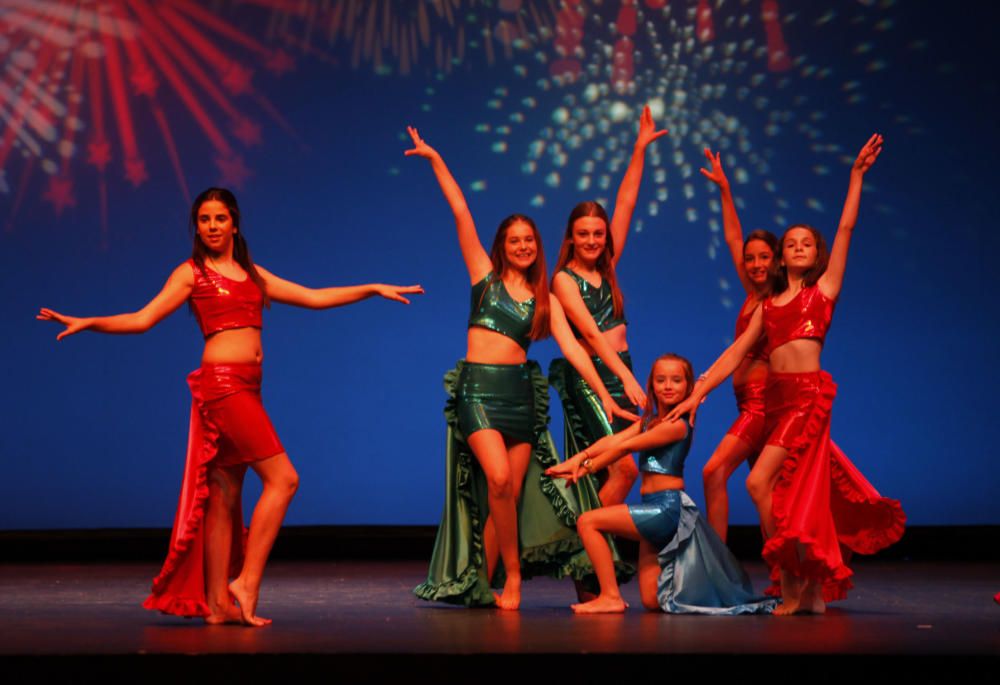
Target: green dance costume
512	399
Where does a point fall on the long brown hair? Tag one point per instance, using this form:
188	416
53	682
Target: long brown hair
241	252
606	260
812	275
651	415
771	240
536	276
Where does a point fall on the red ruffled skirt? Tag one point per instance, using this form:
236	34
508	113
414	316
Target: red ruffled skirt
820	500
228	427
749	425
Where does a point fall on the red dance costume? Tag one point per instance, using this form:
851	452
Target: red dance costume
749	425
228	427
820	500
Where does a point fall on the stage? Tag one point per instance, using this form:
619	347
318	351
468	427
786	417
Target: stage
358	620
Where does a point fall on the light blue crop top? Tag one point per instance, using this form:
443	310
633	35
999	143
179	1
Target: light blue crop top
494	309
669	459
599	303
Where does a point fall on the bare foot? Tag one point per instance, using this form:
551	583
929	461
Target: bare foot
510	600
222	615
248	605
601	605
812	599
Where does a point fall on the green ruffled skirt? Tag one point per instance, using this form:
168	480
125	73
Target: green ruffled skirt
546	515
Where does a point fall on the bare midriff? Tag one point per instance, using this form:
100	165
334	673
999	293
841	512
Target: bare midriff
489	347
654	482
615	337
233	346
797	356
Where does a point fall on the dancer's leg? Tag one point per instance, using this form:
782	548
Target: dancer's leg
621	477
730	453
221	517
280	483
591	526
649	575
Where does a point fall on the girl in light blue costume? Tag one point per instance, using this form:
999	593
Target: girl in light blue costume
683	565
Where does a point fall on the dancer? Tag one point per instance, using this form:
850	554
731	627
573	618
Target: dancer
230	431
498	416
810	498
756	267
586	284
683	566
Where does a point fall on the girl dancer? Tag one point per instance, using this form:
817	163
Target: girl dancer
756	267
586	285
810	498
230	430
498	416
683	566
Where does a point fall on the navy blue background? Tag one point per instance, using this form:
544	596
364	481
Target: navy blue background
94	427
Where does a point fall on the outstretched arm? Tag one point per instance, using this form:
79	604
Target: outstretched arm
721	369
731	228
288	292
628	191
566	290
577	356
832	280
174	293
659	435
477	261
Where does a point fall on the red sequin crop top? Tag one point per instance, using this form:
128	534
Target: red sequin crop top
807	315
221	304
759	349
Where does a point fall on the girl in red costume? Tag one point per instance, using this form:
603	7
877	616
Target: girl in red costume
756	266
230	430
812	501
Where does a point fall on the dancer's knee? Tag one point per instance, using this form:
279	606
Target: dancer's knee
758	487
500	484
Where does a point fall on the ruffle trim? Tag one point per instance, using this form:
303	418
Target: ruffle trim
560	378
781	550
856	492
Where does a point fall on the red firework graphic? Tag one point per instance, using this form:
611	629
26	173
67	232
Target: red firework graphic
75	72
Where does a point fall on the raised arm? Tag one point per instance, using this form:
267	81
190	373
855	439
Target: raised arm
566	290
577	356
832	280
477	261
628	191
174	293
732	231
721	369
288	292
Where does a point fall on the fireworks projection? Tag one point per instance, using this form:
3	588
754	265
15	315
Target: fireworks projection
716	74
80	77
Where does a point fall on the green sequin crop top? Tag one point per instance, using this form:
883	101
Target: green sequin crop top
599	303
494	309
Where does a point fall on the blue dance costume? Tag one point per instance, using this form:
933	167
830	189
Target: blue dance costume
698	573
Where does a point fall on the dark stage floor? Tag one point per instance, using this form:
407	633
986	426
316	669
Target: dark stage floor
365	608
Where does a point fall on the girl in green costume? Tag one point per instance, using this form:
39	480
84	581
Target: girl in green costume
497	419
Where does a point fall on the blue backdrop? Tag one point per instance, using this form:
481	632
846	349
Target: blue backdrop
94	427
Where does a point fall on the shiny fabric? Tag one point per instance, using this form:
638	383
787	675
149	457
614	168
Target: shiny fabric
749	425
220	303
546	515
656	518
494	309
584	420
807	315
228	426
759	350
820	502
668	460
498	397
698	573
600	303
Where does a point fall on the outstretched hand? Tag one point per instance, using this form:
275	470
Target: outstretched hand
716	175
72	323
869	153
647	129
420	148
396	292
571	469
689	406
